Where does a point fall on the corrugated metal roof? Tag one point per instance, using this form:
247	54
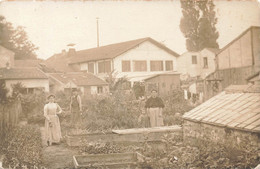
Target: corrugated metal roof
237	109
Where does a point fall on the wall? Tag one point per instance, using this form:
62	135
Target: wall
29	83
185	65
235	76
6	56
166	83
256	47
145	51
237	54
194	132
211	62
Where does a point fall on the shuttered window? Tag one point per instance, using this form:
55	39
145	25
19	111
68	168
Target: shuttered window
156	65
126	66
104	66
91	67
140	66
169	65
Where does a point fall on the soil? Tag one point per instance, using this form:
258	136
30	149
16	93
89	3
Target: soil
57	156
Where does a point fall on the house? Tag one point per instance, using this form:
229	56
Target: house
237	61
32	78
132	58
193	64
254	79
86	82
164	83
231	118
6	57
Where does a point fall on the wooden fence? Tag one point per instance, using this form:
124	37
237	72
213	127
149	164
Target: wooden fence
9	114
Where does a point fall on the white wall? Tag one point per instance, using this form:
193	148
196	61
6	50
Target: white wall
29	83
145	51
185	66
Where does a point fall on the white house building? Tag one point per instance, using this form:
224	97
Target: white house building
31	78
134	58
193	64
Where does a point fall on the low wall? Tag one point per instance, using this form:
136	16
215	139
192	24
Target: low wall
195	132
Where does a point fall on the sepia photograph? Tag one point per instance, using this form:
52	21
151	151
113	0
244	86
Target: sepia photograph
129	84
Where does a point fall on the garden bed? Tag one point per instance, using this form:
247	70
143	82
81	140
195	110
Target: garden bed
116	160
128	136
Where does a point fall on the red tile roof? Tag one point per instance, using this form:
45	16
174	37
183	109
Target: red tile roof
59	62
114	50
78	78
22	73
237	107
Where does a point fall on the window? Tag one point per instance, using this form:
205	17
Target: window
91	67
99	89
126	66
156	65
140	66
205	61
104	66
194	59
169	65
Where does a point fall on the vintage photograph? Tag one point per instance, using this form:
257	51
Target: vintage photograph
129	84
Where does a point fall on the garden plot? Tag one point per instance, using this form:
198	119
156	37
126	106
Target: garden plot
116	160
128	136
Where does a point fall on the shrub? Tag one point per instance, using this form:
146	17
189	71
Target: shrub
22	146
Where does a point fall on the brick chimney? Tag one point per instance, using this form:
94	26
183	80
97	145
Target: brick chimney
72	52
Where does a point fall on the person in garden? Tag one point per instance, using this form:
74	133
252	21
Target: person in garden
143	119
154	106
52	122
75	108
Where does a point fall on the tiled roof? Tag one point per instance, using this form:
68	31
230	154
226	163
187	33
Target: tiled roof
59	62
114	50
232	108
78	78
22	73
27	63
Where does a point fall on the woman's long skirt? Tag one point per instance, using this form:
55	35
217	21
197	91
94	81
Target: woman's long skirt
52	129
155	115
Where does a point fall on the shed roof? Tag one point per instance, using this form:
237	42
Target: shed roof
237	107
78	78
22	73
114	50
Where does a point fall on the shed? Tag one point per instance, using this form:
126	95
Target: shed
164	83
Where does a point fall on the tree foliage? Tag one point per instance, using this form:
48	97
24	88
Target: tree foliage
198	24
16	40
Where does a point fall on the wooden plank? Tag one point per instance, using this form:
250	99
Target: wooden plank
148	130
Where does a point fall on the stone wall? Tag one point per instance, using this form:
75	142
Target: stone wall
195	132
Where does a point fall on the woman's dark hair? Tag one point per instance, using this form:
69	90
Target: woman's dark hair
51	95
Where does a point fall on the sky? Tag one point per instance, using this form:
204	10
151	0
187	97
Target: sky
52	25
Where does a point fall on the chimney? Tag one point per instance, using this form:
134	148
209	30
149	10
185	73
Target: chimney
63	52
7	65
71	52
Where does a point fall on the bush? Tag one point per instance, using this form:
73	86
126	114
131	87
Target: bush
22	146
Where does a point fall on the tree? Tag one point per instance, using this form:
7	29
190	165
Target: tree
16	40
198	24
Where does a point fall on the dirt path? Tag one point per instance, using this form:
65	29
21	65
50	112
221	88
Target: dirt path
57	156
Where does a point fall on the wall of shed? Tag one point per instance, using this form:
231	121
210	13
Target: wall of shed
6	56
195	132
166	83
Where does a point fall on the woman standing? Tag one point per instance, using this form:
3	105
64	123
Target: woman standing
52	122
154	106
